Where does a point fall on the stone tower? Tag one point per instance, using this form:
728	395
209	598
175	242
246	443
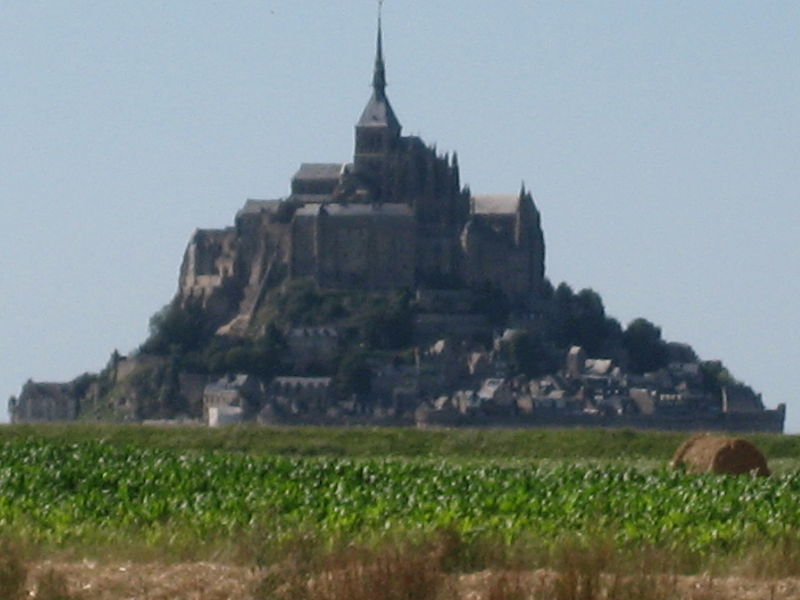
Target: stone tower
378	129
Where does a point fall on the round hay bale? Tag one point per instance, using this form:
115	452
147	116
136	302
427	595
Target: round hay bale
708	453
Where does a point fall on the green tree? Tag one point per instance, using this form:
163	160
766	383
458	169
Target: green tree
388	324
530	355
354	376
492	302
646	350
176	326
580	319
171	402
715	377
261	357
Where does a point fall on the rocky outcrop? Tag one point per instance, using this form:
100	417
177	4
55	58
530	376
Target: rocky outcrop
227	271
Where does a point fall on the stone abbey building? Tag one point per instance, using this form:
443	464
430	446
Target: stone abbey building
396	217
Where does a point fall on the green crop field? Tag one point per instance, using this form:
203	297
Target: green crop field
621	445
90	493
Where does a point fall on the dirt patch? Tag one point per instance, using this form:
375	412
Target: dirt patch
707	453
89	580
543	585
208	581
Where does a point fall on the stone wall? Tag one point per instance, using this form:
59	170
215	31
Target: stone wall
506	250
766	421
303	253
367	247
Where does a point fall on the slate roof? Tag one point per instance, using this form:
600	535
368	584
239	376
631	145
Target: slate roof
303	382
314	332
358	210
229	383
312	198
379	113
317	171
308	210
599	366
495	204
254	206
489	388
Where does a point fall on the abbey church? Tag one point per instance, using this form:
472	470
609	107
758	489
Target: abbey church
395	217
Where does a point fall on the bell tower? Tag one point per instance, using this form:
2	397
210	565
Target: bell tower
378	129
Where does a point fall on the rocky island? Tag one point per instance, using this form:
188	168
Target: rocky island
381	291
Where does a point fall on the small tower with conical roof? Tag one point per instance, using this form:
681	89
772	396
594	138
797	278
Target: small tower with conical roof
378	129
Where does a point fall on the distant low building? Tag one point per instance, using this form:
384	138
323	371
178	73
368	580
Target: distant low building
312	346
298	395
242	392
496	393
219	416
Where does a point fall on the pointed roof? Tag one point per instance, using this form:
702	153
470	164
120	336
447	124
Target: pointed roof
379	73
378	112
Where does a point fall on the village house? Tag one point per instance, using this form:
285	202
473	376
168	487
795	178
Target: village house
301	395
231	399
312	347
496	395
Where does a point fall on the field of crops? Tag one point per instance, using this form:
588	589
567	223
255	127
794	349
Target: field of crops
61	494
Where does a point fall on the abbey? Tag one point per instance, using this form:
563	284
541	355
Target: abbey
396	217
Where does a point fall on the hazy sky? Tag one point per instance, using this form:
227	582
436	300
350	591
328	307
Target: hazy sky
661	141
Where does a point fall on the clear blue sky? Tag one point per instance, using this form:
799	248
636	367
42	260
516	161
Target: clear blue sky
661	141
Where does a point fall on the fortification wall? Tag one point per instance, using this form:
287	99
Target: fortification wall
771	421
303	253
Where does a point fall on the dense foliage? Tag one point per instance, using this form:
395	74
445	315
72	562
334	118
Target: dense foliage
579	319
384	321
175	327
58	492
375	327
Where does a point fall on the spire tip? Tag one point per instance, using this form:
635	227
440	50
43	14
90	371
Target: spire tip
379	76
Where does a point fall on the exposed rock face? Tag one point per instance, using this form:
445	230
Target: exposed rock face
43	402
228	270
394	218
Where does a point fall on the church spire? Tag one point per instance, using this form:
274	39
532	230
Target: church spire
378	112
379	76
378	130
